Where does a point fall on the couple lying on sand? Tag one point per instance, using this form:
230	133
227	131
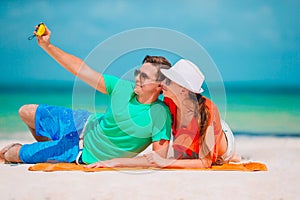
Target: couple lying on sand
135	118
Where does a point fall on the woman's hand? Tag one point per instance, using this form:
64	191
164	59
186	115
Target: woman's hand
154	158
107	163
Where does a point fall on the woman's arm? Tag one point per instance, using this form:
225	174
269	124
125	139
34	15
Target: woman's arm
72	63
174	163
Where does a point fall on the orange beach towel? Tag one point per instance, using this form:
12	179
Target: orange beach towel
49	167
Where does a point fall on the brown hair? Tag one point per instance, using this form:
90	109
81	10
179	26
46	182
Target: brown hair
202	114
160	63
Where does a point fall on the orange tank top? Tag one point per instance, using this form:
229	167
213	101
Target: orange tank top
186	142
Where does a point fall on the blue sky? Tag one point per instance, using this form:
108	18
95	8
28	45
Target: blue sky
248	40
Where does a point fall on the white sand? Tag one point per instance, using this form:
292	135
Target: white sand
280	182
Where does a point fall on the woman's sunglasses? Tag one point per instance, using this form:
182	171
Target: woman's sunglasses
168	81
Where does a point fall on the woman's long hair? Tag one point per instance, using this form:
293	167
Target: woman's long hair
202	114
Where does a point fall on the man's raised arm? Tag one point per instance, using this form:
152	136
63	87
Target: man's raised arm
72	63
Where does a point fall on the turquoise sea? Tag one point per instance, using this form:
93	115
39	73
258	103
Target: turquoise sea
261	110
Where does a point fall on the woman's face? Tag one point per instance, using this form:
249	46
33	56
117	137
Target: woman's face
171	89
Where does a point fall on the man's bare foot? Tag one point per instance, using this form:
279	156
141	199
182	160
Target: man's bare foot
12	151
3	151
2	160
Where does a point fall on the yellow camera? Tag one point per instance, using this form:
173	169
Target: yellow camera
39	31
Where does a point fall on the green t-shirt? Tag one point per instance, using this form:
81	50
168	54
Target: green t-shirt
127	127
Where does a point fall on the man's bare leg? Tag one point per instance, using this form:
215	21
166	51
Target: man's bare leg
27	114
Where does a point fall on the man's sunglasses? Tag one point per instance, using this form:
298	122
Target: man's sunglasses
142	74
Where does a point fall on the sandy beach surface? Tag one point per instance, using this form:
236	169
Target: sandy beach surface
280	182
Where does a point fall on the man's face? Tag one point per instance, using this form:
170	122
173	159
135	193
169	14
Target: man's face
146	79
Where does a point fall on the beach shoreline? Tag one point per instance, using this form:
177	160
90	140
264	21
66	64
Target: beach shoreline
281	181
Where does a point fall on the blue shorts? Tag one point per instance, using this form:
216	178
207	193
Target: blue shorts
63	127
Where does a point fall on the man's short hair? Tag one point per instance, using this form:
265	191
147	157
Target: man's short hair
159	62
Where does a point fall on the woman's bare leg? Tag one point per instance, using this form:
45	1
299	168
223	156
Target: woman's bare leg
235	158
27	114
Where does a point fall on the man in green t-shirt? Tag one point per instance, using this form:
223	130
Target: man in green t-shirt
134	119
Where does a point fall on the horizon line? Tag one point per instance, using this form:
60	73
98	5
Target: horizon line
240	87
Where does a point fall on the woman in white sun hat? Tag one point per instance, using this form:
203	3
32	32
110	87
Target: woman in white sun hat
201	138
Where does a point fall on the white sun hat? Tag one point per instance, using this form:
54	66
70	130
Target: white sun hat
186	74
